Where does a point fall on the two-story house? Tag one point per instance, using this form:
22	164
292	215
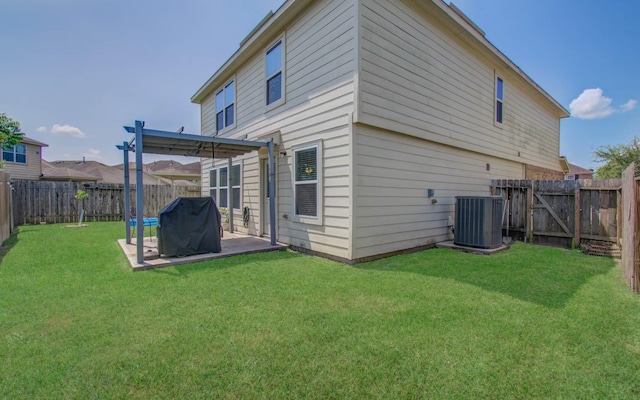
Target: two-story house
24	160
382	112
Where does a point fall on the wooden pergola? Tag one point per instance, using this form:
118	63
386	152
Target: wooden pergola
181	144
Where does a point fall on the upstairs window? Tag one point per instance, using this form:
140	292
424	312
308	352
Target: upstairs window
274	73
15	154
225	106
499	99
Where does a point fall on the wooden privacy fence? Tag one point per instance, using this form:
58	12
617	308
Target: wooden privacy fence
48	202
562	212
6	222
630	218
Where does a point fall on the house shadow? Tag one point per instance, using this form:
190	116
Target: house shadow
542	275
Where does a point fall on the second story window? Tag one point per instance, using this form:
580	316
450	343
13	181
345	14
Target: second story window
274	73
15	154
499	99
225	106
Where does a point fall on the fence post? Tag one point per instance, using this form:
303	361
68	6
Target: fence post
631	239
636	244
530	200
578	215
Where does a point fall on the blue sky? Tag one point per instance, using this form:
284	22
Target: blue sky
75	71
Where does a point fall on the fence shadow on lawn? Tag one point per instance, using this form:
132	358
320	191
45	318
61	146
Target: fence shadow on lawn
8	245
542	275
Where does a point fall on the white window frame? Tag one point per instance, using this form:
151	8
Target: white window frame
497	100
13	150
318	219
219	187
222	90
282	99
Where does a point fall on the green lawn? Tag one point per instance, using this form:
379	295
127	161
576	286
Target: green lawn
532	322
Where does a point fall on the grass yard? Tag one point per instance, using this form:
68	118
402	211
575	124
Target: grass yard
532	322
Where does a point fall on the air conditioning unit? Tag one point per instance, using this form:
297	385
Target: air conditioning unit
478	221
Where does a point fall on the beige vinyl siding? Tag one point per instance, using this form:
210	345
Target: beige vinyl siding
392	174
29	171
418	78
319	66
208	116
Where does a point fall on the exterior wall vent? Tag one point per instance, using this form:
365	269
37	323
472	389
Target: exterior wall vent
478	221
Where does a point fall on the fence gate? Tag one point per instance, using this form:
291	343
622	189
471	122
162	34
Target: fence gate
565	213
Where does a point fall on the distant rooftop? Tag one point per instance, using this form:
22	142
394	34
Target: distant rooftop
94	171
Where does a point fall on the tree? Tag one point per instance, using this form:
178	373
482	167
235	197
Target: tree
617	159
10	134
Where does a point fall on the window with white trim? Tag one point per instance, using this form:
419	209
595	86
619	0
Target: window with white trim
499	100
306	181
274	73
225	106
15	154
219	189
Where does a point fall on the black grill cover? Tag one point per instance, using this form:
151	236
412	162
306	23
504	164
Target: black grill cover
189	225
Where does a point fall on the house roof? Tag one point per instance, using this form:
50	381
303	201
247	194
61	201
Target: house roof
51	172
275	22
168	165
171	169
257	39
577	170
28	140
99	172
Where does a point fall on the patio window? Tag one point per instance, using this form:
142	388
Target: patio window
15	154
225	106
306	182
274	73
218	186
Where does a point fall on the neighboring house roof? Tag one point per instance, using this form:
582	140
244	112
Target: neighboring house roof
176	170
577	170
28	140
103	173
179	174
53	173
273	23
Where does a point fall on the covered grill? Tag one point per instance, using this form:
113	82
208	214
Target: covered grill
188	226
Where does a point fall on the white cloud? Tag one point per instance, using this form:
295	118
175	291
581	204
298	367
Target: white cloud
629	105
592	104
41	129
67	130
93	153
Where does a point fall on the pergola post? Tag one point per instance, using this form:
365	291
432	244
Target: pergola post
139	196
127	191
230	194
272	193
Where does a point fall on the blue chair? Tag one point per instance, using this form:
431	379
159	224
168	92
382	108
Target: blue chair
146	221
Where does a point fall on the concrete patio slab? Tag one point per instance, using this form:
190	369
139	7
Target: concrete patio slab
232	244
